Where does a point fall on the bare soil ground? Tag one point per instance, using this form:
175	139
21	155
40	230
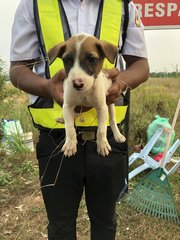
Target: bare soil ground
23	217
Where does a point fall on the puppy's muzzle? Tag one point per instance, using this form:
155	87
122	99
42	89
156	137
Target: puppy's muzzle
78	84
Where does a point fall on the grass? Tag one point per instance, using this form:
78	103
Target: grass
22	213
155	97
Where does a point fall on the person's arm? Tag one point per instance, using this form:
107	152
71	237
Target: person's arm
22	77
137	72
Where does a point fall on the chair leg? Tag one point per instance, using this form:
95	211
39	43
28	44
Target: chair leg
172	150
174	168
146	150
137	170
151	162
133	158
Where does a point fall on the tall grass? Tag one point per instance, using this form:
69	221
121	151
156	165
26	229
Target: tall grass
14	107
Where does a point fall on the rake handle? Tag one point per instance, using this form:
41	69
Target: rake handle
170	134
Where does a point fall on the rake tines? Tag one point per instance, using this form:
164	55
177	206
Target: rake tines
152	196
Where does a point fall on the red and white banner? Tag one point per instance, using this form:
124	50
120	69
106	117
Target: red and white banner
159	13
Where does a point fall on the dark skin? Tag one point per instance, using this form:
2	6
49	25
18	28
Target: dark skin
22	77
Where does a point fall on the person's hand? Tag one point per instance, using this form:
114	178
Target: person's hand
116	89
55	86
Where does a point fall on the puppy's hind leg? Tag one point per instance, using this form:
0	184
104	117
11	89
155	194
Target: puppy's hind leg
117	135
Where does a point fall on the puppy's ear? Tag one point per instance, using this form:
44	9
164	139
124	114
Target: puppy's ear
108	50
56	51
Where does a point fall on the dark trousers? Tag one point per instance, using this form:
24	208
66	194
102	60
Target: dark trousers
101	178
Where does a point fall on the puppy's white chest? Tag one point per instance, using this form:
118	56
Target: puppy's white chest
86	99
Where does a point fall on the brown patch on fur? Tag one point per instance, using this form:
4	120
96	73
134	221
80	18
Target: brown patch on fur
59	49
92	53
91	59
107	50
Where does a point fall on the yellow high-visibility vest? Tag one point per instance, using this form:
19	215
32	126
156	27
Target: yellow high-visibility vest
44	111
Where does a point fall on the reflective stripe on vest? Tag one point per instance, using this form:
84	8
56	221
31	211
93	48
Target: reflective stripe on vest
50	23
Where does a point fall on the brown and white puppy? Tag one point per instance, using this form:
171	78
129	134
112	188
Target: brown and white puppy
86	85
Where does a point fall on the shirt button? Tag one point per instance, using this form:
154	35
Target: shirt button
82	8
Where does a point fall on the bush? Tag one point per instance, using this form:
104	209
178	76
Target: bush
5	178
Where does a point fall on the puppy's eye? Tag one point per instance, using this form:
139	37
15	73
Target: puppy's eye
68	60
92	60
68	63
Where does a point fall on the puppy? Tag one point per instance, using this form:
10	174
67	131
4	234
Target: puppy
86	85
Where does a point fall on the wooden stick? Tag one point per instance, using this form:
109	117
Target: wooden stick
170	135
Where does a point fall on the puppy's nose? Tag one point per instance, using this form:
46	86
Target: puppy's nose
78	83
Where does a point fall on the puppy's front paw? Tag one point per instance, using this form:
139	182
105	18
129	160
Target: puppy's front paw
103	147
69	148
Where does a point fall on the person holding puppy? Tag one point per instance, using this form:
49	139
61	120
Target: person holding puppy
38	26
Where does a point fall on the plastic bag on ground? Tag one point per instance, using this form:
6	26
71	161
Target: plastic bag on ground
159	122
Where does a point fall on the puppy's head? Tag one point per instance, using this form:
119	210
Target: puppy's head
83	57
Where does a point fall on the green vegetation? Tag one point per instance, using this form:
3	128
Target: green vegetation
165	74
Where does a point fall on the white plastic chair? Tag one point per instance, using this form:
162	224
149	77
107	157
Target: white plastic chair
170	153
149	162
